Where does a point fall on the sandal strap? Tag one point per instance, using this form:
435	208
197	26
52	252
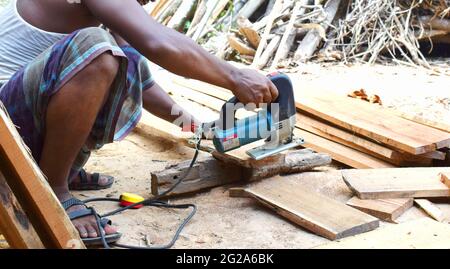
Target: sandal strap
83	177
95	177
81	213
71	202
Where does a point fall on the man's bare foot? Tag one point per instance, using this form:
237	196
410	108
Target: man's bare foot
86	226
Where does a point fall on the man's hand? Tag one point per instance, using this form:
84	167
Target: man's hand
252	87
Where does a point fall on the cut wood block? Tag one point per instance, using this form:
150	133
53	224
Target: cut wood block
245	28
311	210
209	172
424	233
445	178
373	122
205	174
240	46
385	209
431	209
396	183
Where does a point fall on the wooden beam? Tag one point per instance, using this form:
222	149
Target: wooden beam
396	183
206	173
423	233
431	209
14	223
311	210
33	192
373	122
385	209
210	172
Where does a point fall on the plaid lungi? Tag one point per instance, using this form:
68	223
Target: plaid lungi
27	94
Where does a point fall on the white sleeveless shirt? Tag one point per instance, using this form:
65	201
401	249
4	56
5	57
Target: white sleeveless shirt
20	42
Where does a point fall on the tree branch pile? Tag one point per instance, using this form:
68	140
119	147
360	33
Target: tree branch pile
283	33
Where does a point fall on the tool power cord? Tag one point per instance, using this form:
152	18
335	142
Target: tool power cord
154	201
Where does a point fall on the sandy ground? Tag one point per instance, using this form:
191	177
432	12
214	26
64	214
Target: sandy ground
224	222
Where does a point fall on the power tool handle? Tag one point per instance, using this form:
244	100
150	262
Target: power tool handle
223	112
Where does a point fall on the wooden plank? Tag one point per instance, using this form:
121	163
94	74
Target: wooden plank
437	125
385	209
14	223
373	122
396	183
431	209
445	178
341	153
364	145
348	139
33	191
315	212
418	234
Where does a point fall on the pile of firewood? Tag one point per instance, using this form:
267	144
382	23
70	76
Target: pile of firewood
283	33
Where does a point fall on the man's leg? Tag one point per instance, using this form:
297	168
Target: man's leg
71	114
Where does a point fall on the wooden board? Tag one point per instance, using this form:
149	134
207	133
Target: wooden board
33	191
341	153
431	209
14	223
437	125
424	233
373	122
385	209
311	210
396	183
362	144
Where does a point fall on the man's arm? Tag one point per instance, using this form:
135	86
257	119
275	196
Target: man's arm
178	53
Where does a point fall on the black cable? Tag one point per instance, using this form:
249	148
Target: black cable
154	201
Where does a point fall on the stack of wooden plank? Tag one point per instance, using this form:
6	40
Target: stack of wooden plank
352	132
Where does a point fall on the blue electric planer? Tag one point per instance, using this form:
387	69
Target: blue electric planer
273	122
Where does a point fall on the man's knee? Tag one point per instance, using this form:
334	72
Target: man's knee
105	65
